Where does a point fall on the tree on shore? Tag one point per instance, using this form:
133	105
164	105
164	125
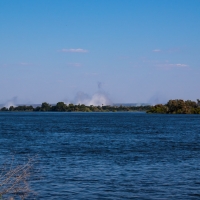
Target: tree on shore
177	106
45	107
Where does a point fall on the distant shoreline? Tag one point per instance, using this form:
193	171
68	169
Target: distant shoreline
177	106
62	107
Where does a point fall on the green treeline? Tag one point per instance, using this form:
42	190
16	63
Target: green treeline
62	107
177	106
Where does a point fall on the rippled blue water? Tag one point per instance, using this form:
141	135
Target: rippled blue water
107	155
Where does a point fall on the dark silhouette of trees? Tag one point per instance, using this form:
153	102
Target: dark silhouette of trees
177	106
62	107
4	109
45	107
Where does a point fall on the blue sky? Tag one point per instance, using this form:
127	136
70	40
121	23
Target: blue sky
128	51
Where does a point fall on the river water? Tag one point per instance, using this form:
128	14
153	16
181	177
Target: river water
106	155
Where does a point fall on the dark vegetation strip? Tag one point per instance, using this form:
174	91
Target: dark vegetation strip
177	106
62	107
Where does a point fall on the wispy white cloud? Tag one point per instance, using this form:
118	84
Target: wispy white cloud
171	65
74	50
169	51
91	74
164	64
25	64
157	50
19	64
74	64
178	65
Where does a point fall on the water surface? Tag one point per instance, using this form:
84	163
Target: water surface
106	155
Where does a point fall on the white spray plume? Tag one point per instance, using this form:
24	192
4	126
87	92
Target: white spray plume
11	102
15	101
157	98
96	99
